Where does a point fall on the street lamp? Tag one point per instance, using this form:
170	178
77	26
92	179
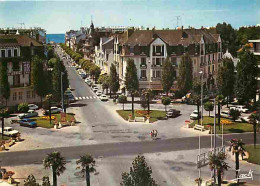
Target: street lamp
62	99
48	97
201	73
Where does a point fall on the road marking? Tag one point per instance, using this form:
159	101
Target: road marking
80	97
94	97
83	98
76	98
90	97
87	97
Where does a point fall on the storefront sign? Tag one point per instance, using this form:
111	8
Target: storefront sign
244	176
26	67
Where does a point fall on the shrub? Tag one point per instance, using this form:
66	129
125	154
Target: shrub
166	101
234	114
23	107
122	99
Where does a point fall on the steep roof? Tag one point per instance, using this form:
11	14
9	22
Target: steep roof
18	40
173	37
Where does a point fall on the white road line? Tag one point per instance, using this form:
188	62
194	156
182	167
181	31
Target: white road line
94	97
87	97
90	97
80	97
83	98
76	98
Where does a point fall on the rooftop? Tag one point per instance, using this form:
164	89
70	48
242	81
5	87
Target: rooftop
17	40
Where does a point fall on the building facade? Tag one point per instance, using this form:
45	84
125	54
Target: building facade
16	52
150	48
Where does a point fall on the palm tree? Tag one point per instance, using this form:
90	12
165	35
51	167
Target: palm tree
253	118
87	164
237	147
219	100
217	162
55	161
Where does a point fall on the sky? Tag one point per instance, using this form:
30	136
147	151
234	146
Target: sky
61	16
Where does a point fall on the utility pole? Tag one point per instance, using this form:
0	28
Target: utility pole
3	126
62	99
214	174
178	18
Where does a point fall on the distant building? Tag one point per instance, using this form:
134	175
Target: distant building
36	33
16	52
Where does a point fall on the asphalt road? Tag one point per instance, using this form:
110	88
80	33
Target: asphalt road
117	149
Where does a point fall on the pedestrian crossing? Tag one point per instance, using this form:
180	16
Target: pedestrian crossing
86	97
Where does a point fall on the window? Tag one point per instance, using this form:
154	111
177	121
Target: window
14	96
158	49
158	74
16	80
3	53
208	69
158	61
20	95
143	61
16	66
153	61
131	49
213	68
15	52
28	94
9	53
154	73
213	55
174	61
33	94
143	73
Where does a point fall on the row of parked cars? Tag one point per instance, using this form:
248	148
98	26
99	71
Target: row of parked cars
95	89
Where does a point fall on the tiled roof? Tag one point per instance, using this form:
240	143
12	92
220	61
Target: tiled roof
18	40
172	37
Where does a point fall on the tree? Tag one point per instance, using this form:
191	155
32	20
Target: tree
131	80
228	36
46	181
23	107
122	99
4	84
167	75
30	181
39	80
140	174
185	74
219	100
237	147
247	71
114	79
226	79
208	106
56	80
51	62
50	53
254	118
55	161
95	72
143	101
217	162
166	101
87	165
234	114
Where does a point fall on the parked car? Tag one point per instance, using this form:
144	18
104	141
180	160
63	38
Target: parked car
54	110
224	113
89	82
83	75
93	86
71	98
195	115
103	97
33	107
27	123
68	92
173	113
29	114
242	108
95	89
9	131
99	93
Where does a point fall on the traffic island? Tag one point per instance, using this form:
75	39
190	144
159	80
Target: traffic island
153	116
254	154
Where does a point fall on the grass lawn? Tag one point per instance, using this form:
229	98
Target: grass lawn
46	123
234	127
254	154
154	114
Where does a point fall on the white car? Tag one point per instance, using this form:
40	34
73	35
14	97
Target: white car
9	131
103	97
242	108
54	110
95	89
29	114
33	107
224	113
194	115
99	93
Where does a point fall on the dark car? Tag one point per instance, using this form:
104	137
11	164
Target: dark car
173	113
27	123
83	76
71	98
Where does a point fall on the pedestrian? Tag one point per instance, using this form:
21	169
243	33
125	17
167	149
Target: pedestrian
155	134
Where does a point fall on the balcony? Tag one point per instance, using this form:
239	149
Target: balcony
157	53
143	79
156	78
156	66
143	66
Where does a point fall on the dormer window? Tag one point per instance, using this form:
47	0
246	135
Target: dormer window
143	61
9	53
15	52
131	49
158	50
2	53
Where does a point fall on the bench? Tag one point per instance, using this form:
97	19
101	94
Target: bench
199	127
139	119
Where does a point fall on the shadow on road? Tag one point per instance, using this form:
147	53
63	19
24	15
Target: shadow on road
78	105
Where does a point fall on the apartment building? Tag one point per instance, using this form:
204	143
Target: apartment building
16	52
256	51
149	49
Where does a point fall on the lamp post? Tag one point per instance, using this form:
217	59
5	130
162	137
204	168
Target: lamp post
148	92
49	96
62	96
201	73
